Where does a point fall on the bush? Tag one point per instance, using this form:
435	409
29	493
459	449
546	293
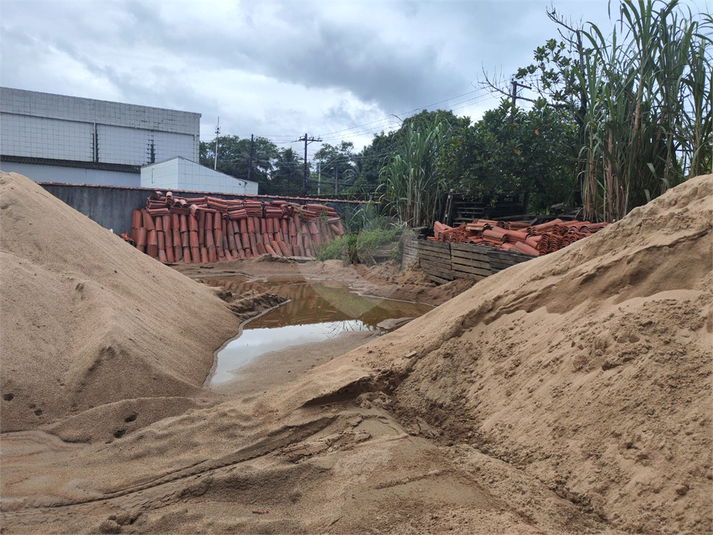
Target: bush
358	248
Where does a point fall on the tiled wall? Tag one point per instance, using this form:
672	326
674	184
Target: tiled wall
23	102
36	137
41	125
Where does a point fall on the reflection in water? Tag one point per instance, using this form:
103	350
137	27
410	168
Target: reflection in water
319	302
256	342
316	312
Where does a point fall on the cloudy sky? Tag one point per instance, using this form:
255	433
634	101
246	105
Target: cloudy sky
339	70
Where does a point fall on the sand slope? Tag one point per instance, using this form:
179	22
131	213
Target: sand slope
88	320
590	368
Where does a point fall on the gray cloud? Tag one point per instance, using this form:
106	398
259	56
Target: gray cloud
277	68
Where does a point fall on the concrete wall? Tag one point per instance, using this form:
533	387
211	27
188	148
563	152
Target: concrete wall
111	206
72	175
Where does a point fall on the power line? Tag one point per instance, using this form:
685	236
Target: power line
361	130
307	141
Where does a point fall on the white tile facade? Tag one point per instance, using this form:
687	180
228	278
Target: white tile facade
38	137
135	146
58	127
181	174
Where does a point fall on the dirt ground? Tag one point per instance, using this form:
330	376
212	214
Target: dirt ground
568	394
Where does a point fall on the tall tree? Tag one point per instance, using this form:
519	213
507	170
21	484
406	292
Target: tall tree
287	175
641	97
336	168
532	154
241	157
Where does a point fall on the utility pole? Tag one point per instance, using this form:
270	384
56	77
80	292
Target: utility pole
306	141
515	85
252	151
319	178
217	133
336	179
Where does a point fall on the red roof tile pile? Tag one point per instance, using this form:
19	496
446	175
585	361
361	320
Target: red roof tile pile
203	230
535	240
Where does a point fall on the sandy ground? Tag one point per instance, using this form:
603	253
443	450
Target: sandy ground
568	394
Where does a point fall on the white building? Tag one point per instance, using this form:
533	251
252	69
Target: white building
57	138
182	174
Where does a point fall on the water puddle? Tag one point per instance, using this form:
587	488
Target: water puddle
317	311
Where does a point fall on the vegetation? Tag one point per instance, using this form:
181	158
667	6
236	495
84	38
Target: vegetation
616	120
531	153
641	98
648	125
358	247
413	179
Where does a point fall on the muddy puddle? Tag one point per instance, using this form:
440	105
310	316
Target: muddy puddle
317	311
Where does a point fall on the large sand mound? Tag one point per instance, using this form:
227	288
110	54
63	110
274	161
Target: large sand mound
88	320
589	368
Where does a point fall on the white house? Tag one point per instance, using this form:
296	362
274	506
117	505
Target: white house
181	174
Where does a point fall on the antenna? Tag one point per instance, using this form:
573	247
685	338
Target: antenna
217	133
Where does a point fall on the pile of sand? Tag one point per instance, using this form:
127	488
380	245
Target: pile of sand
89	321
568	394
589	369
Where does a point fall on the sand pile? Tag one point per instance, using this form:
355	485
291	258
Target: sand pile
88	321
568	394
590	369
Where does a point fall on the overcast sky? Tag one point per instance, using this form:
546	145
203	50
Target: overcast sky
337	70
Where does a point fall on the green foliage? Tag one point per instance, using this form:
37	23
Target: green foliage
365	217
235	158
413	180
287	175
641	98
532	153
649	123
359	247
337	168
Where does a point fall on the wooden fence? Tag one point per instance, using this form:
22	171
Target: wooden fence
444	262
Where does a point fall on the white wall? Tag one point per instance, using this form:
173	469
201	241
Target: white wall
72	175
180	174
37	137
58	127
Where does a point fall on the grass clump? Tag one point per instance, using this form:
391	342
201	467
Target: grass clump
359	247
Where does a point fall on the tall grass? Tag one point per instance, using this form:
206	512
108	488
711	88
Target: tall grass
412	178
648	124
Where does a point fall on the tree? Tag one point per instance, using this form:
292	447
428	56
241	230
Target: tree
641	98
336	166
287	175
241	158
530	153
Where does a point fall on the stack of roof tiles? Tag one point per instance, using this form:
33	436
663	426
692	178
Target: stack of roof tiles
534	240
202	230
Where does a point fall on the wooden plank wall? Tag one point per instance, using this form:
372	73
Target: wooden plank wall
409	241
435	259
470	260
444	262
